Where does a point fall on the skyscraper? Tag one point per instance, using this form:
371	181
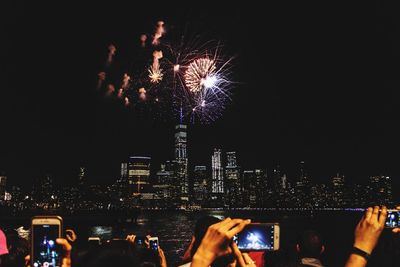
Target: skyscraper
232	180
182	161
200	184
217	172
139	174
338	190
3	183
124	171
380	190
82	177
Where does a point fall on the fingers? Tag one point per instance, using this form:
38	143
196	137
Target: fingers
368	214
70	235
238	255
233	226
238	228
382	216
247	259
131	238
396	230
65	245
27	260
375	212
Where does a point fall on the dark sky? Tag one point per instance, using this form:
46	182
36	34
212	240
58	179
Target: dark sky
316	82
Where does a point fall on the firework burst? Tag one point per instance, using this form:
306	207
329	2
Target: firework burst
200	74
189	77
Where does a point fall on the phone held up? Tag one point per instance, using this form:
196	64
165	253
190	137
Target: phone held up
259	237
153	243
393	219
45	252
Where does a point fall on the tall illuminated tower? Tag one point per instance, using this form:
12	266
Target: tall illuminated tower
217	172
181	159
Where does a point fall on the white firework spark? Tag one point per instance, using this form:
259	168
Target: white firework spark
155	74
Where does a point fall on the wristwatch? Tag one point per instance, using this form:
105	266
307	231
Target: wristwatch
361	253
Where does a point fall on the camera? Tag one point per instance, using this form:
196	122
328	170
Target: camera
153	243
258	237
392	219
102	232
44	249
140	241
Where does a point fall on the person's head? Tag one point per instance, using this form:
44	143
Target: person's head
110	255
310	244
148	258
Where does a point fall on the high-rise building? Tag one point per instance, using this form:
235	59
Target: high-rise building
380	190
304	177
3	183
338	190
182	161
124	171
249	188
231	161
139	174
232	181
217	172
82	176
200	184
277	178
260	191
164	186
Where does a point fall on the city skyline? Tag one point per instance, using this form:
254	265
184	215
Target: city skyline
314	86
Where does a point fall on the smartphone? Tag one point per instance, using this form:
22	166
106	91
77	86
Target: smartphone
140	241
153	243
94	241
102	232
44	232
393	219
258	237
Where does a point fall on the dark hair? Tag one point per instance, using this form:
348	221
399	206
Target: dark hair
200	230
111	255
149	258
310	244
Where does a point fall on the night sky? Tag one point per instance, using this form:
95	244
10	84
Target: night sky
316	81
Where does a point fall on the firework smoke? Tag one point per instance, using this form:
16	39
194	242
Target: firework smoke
143	39
142	94
158	33
111	52
101	78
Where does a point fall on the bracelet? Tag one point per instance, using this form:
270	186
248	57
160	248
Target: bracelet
361	253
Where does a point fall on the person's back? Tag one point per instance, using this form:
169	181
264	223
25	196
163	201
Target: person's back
110	255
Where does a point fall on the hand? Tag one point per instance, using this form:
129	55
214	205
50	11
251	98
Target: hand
243	258
70	235
216	241
146	241
131	238
66	259
396	230
369	229
163	259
